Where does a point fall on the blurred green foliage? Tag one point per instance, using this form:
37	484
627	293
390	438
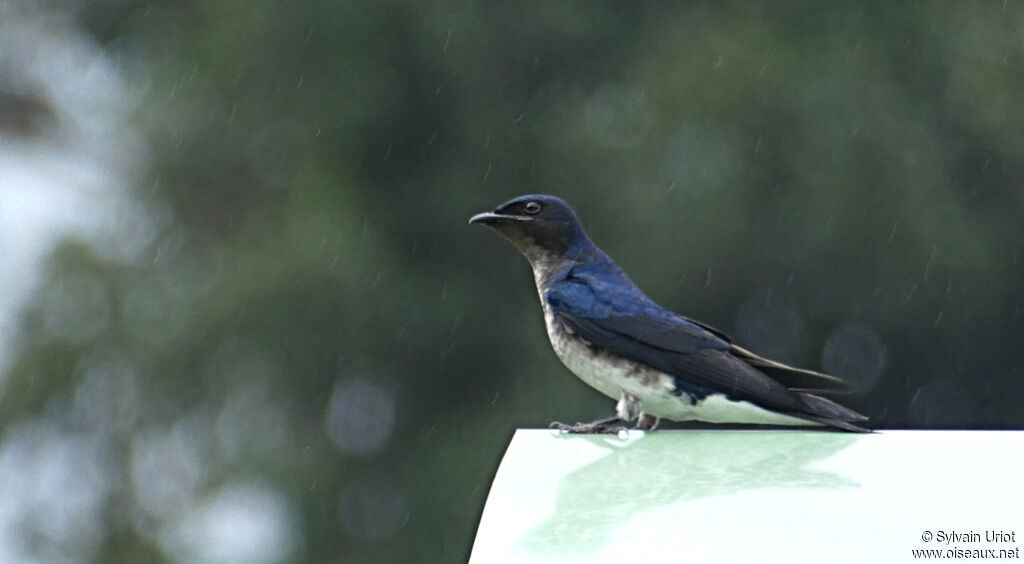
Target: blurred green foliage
840	185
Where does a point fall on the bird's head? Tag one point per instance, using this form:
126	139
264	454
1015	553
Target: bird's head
538	225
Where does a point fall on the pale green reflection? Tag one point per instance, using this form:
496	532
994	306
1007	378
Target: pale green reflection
662	468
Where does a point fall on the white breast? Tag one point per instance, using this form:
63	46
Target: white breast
609	374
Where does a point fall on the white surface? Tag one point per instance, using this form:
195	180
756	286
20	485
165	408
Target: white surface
746	496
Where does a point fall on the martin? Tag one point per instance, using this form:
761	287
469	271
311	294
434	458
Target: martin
656	363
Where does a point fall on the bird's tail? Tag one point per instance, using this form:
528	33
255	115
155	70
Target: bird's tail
796	379
830	413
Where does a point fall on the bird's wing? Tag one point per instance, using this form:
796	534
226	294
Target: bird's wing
796	379
626	312
622	320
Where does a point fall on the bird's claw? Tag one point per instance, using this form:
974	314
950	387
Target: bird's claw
595	428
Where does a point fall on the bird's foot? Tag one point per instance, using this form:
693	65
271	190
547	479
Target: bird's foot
603	426
646	422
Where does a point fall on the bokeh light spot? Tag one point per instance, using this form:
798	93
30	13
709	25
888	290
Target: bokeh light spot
166	470
77	308
53	485
241	522
855	353
108	395
360	417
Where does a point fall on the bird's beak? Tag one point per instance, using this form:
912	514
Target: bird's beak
490	218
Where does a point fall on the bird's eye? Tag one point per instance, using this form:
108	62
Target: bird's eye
532	208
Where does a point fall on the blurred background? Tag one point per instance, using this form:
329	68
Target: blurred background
244	320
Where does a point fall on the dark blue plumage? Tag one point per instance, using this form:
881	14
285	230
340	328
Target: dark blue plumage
655	362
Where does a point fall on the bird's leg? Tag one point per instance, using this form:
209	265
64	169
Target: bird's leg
627	409
601	426
646	422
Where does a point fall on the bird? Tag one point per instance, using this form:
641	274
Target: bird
656	363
